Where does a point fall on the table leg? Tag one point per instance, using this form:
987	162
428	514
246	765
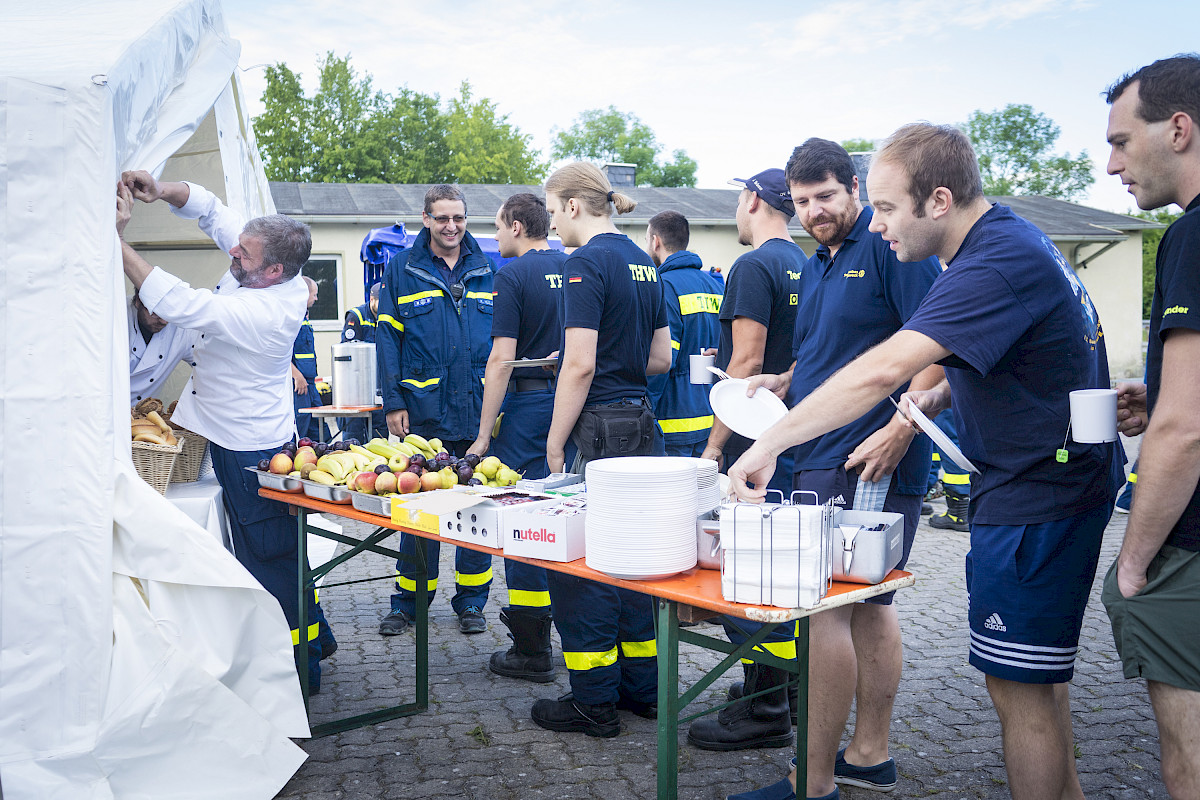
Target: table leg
802	643
302	609
422	625
668	699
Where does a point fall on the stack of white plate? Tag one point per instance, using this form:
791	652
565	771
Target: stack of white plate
641	520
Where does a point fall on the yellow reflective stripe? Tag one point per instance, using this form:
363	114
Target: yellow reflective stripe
686	425
699	303
674	345
312	633
422	384
479	295
647	649
358	314
581	662
409	298
409	585
520	597
391	321
473	579
305	355
316	596
950	478
782	649
1133	477
937	456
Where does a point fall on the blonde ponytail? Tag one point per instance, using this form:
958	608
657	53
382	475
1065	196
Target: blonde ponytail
587	184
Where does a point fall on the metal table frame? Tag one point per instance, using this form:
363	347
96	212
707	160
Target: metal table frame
342	412
672	596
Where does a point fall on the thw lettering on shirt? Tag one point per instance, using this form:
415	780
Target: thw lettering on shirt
644	273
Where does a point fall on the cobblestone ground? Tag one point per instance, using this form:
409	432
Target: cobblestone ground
478	742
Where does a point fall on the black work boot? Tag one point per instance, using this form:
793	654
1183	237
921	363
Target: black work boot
793	693
955	518
529	658
762	721
566	714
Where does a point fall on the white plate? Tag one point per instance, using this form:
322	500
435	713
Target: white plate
939	437
749	416
532	362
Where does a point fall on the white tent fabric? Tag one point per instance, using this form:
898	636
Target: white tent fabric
137	657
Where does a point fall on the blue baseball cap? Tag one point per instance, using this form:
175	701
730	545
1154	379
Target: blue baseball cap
771	186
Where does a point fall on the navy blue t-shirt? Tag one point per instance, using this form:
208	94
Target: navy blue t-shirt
849	304
611	286
1176	304
1024	334
762	285
527	306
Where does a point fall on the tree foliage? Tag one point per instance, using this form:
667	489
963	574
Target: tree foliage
349	132
858	145
1015	144
1150	240
617	136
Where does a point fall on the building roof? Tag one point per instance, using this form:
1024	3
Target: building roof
391	202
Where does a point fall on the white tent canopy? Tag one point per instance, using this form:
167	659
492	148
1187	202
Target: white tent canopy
137	658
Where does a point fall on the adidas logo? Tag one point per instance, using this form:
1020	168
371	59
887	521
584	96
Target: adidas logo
840	500
994	623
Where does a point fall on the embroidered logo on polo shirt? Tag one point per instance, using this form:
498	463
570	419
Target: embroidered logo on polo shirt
1176	310
554	280
642	273
795	276
854	273
576	279
994	623
792	299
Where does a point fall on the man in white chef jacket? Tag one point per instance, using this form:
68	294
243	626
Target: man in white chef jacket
155	348
239	394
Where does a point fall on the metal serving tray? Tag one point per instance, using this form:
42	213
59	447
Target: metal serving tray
372	503
330	494
282	483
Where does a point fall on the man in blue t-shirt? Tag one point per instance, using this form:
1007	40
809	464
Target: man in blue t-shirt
693	301
1152	591
1039	505
615	334
517	406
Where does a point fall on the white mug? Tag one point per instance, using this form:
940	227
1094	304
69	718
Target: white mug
699	367
1094	415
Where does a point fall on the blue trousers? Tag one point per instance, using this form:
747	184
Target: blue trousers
357	427
953	477
607	637
306	424
264	541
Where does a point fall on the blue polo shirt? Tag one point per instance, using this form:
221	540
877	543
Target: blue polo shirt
1024	334
611	286
848	304
763	285
527	306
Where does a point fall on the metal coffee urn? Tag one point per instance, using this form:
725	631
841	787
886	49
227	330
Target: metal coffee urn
353	374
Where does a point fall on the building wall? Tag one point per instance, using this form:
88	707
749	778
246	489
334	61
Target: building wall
1114	281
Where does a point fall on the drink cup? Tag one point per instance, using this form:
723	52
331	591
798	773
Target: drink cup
1094	415
699	367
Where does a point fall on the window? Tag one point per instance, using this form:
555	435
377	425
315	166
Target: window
326	312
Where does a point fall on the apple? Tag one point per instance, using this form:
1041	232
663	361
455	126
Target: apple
366	482
305	455
385	483
281	464
305	442
431	481
408	482
398	463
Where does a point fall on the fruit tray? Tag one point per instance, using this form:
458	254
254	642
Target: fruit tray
282	483
330	494
372	503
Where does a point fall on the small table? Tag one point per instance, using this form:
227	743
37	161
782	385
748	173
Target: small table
201	500
691	595
349	412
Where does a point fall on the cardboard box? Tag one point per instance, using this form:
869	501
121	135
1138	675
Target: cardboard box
479	520
551	531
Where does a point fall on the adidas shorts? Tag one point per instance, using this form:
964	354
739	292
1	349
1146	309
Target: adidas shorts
1028	586
839	485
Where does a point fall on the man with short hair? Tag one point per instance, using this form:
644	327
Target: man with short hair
155	348
1152	591
238	396
360	326
693	301
304	372
433	340
1040	506
518	405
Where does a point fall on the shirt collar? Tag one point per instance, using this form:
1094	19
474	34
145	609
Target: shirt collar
857	232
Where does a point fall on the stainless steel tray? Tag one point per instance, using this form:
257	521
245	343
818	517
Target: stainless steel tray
330	494
372	503
269	480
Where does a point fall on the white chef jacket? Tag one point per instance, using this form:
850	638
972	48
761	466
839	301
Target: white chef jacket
239	395
150	364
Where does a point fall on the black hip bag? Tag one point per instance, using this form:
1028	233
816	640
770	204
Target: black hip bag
615	429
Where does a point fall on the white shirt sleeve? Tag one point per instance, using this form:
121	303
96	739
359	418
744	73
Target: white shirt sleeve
218	221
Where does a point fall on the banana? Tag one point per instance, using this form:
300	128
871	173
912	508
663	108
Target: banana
435	444
381	448
331	466
417	441
406	449
362	451
322	477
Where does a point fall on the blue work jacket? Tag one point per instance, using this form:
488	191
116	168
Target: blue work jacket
431	350
304	351
693	300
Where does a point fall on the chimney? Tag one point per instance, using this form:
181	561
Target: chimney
862	162
621	176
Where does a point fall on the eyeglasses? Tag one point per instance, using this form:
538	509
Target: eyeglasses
458	219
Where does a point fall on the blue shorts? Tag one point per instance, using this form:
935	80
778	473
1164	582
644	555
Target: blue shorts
1028	596
836	482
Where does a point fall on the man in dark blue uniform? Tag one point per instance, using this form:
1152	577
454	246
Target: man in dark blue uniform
693	300
304	373
1039	506
615	333
517	406
432	343
360	326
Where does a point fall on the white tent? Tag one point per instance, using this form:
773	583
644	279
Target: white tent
137	658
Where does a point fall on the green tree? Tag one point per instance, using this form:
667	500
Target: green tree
1150	240
1015	157
617	136
349	132
858	145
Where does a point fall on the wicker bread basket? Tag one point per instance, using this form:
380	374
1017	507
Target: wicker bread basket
154	462
187	466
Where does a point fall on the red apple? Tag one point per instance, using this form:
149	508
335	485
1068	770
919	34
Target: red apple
366	482
407	483
281	464
385	483
431	481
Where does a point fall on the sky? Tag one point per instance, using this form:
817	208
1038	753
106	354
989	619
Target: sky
738	85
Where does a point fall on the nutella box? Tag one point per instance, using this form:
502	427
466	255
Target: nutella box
479	517
552	531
